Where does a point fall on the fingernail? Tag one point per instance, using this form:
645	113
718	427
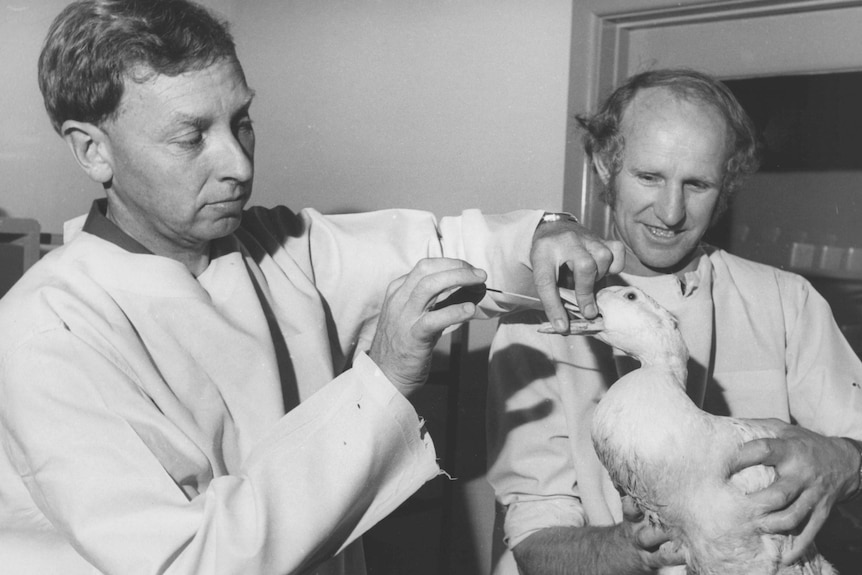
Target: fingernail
591	311
480	273
561	325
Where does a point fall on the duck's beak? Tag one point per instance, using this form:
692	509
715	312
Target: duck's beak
578	327
578	324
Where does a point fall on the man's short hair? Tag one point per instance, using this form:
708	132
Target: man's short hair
94	46
602	137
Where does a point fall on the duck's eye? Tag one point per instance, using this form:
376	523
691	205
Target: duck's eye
631	296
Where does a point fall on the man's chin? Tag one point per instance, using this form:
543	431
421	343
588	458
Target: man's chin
671	265
224	226
661	262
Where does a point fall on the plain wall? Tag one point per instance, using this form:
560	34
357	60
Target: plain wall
387	103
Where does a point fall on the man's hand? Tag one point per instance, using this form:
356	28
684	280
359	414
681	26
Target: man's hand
633	547
589	258
409	327
813	473
655	546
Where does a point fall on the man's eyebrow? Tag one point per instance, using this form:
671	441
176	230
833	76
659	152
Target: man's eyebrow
247	102
183	119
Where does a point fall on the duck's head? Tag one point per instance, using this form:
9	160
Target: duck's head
630	321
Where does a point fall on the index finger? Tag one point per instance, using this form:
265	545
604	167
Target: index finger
752	452
595	260
545	279
586	274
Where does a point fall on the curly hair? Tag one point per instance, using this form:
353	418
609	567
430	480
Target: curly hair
94	46
602	137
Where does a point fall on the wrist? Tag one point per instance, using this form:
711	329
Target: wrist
552	217
857	480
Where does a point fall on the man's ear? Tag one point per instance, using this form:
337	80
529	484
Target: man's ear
89	145
601	169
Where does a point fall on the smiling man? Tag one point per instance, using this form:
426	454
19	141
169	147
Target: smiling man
670	148
189	385
666	191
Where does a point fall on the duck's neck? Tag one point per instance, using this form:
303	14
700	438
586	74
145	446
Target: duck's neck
671	353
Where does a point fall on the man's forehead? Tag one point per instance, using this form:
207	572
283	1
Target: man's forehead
664	124
193	91
663	103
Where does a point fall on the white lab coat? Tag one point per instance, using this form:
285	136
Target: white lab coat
763	343
142	410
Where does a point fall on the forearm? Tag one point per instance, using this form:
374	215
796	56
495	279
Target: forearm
579	551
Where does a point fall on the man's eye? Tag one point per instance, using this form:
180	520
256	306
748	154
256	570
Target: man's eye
648	178
698	186
245	126
191	140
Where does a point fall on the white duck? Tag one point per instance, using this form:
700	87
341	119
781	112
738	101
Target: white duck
674	458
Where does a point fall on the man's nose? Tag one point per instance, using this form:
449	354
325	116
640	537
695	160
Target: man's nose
236	157
670	205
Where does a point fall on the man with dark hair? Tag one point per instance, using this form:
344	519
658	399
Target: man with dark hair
189	386
669	148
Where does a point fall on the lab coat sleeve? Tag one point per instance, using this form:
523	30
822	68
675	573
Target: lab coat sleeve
499	244
304	493
362	253
824	374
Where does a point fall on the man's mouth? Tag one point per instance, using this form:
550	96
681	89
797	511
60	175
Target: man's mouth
229	203
662	233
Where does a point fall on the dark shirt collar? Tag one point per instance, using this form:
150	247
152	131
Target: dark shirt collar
100	226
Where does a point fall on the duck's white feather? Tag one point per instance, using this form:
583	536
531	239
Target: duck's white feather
672	457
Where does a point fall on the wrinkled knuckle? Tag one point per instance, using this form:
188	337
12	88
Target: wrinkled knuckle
604	262
784	497
394	285
603	255
423	265
775	498
765	448
585	266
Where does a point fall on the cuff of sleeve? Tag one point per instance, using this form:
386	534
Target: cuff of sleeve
387	392
373	373
527	517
